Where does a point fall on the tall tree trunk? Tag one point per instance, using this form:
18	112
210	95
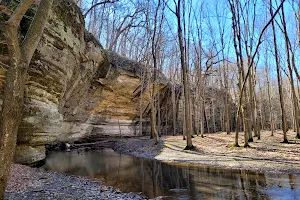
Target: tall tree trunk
256	121
213	115
155	95
158	116
294	97
144	74
297	102
227	113
251	110
283	113
184	124
269	99
202	111
174	108
20	57
185	78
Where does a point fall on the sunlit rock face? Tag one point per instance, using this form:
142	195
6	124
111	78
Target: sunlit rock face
111	106
66	61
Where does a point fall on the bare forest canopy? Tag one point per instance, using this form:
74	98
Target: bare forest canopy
247	49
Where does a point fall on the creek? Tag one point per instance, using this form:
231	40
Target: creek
154	178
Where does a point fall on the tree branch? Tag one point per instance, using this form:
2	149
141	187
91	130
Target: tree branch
11	28
18	14
36	29
97	4
5	10
258	44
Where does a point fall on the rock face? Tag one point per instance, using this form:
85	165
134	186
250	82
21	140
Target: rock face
72	91
111	107
65	62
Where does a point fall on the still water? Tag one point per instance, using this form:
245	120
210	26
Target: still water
154	178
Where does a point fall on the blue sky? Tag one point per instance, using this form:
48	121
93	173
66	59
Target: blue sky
211	10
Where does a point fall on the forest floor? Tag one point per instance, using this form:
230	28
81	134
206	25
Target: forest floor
267	154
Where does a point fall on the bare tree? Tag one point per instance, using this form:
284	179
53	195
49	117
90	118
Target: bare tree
128	22
155	95
185	74
283	113
288	61
235	9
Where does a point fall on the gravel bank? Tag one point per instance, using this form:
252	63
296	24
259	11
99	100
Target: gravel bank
36	184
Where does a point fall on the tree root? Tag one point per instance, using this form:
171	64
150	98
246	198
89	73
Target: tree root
189	148
285	141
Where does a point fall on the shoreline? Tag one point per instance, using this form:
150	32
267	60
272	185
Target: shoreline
203	164
170	150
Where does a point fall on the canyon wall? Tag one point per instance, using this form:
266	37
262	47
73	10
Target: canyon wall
75	90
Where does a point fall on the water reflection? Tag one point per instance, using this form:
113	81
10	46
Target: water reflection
153	178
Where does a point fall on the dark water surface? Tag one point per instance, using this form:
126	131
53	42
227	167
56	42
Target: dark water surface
154	178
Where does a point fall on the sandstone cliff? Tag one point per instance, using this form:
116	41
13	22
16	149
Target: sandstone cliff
73	91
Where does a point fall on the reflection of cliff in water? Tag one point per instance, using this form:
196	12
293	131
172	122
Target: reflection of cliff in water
153	178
